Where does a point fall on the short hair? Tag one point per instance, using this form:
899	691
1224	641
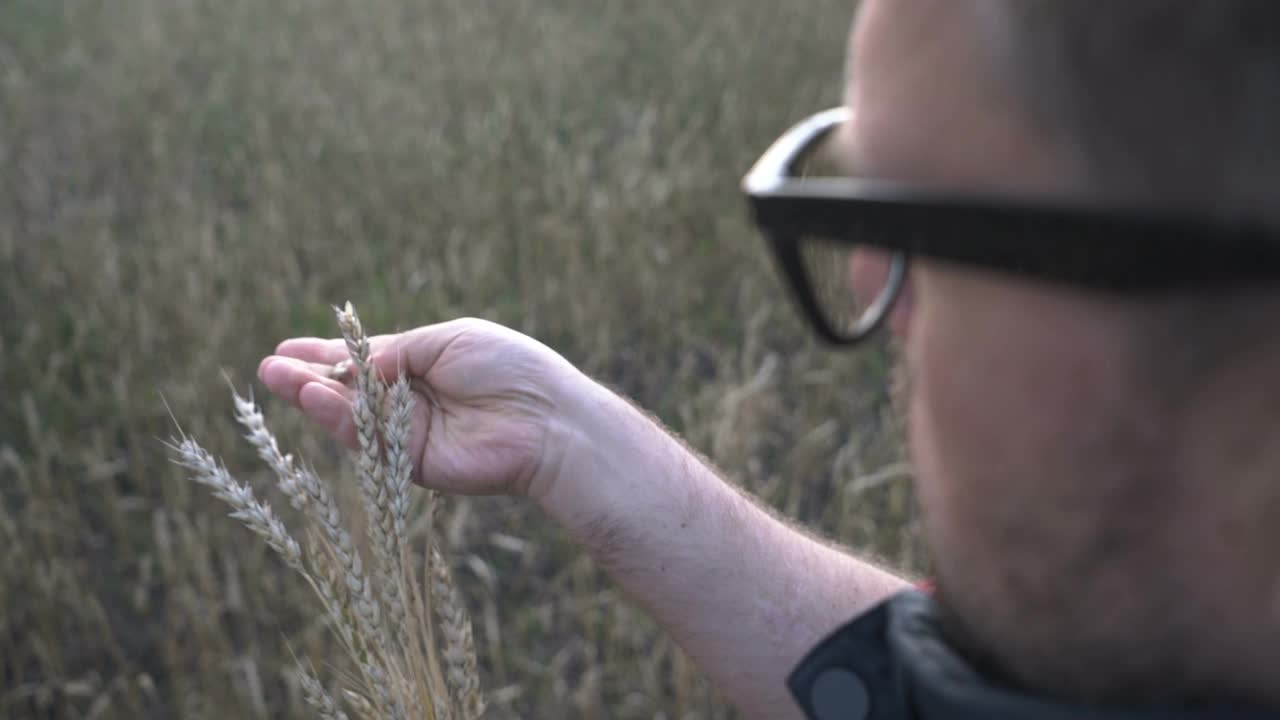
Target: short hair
1171	103
1167	102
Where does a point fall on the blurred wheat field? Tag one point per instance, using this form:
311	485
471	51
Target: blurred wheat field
186	182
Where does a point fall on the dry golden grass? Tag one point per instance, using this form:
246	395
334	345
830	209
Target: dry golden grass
187	183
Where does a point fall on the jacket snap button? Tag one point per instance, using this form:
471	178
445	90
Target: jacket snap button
838	694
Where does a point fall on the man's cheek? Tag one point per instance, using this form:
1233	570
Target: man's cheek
936	480
868	275
868	272
900	317
957	443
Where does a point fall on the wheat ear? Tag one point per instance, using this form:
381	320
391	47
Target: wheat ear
262	439
370	471
399	461
307	493
317	697
459	646
399	478
360	705
256	515
259	518
336	554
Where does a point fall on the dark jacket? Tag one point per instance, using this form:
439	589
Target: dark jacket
894	664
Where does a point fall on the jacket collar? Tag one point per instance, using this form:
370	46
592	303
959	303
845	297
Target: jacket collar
893	663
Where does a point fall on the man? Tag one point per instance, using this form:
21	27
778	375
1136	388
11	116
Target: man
1094	390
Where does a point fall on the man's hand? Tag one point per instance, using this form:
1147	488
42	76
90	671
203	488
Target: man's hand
742	591
492	404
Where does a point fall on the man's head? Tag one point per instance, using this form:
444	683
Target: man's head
1100	491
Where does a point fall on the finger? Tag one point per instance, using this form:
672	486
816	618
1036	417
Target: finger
331	410
329	351
316	350
286	376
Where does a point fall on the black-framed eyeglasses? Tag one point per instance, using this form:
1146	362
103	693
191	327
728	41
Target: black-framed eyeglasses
815	226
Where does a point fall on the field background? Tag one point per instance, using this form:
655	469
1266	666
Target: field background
183	183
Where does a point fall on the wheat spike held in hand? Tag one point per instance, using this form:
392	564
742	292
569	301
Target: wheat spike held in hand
368	413
403	667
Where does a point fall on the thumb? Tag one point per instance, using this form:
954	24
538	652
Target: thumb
416	352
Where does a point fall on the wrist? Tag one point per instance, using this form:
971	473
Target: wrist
603	456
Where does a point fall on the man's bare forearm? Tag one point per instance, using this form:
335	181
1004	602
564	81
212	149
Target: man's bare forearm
742	592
